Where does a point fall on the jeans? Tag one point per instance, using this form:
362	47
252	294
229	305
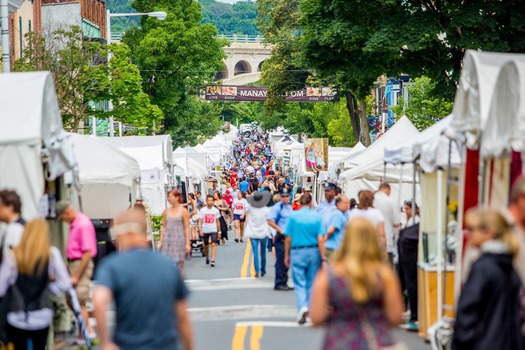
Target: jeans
305	264
260	269
281	271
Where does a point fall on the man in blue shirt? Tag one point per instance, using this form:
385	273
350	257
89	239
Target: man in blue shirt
337	226
326	207
277	219
244	185
304	250
148	290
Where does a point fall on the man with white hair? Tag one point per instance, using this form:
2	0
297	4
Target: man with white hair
148	290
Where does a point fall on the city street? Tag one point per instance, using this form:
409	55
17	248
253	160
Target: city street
231	310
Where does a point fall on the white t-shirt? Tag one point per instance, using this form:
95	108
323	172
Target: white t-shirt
11	236
391	214
371	214
240	206
257	226
209	217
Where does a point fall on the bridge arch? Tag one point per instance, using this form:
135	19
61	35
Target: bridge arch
223	73
260	66
242	67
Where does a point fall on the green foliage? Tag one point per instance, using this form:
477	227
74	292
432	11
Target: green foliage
244	112
176	57
423	108
82	76
229	19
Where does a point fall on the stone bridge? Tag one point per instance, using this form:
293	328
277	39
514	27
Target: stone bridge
246	55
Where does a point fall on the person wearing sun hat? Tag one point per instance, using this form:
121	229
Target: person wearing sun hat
257	229
308	189
296	205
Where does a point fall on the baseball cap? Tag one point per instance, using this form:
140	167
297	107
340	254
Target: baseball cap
330	186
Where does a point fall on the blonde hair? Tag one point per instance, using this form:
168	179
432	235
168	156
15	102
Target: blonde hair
494	221
34	250
362	258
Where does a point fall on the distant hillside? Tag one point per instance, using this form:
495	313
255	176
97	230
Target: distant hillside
229	19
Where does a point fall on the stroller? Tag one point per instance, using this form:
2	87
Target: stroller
197	245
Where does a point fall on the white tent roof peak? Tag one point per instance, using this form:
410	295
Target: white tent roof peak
99	163
476	88
505	128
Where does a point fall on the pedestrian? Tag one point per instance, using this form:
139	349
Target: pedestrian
353	204
240	206
488	312
308	189
337	226
278	219
326	207
149	294
304	252
200	201
175	239
392	217
81	248
10	214
223	207
210	229
296	203
517	214
358	295
34	269
367	211
257	229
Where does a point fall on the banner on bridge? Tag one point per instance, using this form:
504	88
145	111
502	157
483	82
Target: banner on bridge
257	93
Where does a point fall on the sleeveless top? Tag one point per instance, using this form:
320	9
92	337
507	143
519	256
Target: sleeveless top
174	240
345	325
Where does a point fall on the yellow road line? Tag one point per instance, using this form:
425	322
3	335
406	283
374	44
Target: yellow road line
246	260
255	340
238	337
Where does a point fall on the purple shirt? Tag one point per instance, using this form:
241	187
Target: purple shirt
82	238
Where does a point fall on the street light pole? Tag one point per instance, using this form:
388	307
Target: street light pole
4	13
160	15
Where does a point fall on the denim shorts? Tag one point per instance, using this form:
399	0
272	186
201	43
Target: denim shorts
238	218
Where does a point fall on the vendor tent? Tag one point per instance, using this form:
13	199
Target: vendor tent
337	155
109	178
153	154
366	169
475	91
31	126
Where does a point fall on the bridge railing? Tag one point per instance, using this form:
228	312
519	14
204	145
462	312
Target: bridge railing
243	39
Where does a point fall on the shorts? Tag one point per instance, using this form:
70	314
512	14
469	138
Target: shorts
214	238
237	217
82	287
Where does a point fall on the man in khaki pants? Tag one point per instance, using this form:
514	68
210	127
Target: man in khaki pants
81	248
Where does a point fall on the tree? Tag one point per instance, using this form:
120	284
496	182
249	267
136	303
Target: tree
82	74
423	109
176	57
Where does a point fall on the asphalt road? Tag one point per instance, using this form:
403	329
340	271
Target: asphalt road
230	310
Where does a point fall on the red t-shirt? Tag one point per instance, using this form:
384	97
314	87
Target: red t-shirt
228	200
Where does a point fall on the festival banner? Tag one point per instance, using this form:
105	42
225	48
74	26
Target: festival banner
257	93
316	154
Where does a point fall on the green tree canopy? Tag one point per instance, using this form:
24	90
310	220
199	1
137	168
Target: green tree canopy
176	57
82	76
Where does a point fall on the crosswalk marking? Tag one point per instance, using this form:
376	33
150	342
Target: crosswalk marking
239	312
229	283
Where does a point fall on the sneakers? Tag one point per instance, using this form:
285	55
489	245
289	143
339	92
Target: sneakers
236	240
303	316
207	261
213	263
410	326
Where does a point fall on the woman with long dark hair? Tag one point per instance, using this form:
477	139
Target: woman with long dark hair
223	207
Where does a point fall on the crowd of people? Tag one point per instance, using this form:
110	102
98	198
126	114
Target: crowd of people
353	262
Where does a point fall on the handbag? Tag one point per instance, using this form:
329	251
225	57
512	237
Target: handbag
371	338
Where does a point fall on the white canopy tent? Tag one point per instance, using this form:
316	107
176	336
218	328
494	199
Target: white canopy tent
109	178
366	169
475	92
154	156
194	166
30	119
337	155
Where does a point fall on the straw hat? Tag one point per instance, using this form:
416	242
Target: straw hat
297	197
